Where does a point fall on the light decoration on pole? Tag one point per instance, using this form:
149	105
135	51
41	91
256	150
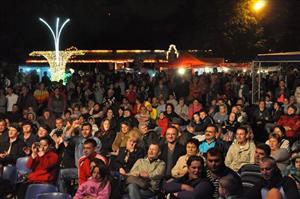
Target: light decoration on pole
172	47
57	59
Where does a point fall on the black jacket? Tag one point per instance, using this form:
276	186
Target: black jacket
16	151
178	151
288	184
119	161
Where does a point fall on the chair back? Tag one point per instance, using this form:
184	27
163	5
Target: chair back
22	165
10	173
55	195
35	189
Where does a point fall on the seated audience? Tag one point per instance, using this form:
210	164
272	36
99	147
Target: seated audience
193	184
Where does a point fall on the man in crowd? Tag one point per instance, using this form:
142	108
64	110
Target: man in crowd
273	181
216	169
151	170
171	151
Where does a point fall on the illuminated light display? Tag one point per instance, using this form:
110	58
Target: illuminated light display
172	47
57	60
133	51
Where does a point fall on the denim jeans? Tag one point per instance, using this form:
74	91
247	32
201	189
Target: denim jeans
64	175
137	193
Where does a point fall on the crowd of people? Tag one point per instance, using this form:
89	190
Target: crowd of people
108	134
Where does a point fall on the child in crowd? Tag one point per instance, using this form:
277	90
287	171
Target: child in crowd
98	185
163	123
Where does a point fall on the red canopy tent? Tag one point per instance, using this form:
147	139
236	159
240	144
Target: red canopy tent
185	60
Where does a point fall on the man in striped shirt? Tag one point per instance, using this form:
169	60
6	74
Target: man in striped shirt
216	169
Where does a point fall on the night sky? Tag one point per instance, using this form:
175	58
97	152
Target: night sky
228	27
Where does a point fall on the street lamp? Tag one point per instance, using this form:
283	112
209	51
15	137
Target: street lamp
258	5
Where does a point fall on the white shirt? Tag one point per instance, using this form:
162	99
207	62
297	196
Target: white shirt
11	100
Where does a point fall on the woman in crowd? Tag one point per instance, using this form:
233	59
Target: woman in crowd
180	167
98	186
127	155
170	112
106	136
281	155
120	140
193	184
229	128
221	116
279	130
194	107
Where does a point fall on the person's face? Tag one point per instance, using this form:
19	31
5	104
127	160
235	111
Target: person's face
2	126
124	128
96	173
14	108
143	129
273	144
290	111
161	115
281	84
59	124
277	131
235	110
181	102
86	131
214	163
12	132
42	132
222	109
88	149
153	151
232	117
194	170
171	135
297	164
131	143
46	114
196	117
56	91
195	103
191	149
202	115
261	105
241	136
26	128
169	109
44	146
127	113
96	107
106	125
210	133
109	113
266	170
259	154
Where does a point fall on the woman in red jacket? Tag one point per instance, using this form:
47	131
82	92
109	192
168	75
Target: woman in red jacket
291	123
43	163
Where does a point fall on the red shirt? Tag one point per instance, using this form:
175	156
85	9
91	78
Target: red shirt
44	169
84	166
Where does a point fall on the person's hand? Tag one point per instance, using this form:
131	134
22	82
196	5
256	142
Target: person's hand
26	150
122	171
41	153
185	187
287	128
34	150
144	174
2	155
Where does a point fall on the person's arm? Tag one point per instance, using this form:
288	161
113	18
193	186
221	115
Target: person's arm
158	173
105	192
178	170
203	190
135	170
252	153
229	157
80	192
172	186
